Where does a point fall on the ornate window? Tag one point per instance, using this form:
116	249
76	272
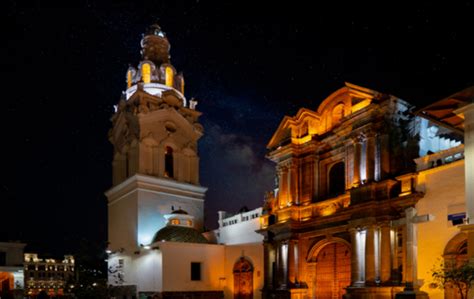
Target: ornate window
146	73
169	162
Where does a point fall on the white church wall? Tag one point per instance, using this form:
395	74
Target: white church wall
240	228
121	270
123	222
252	252
148	268
177	258
444	192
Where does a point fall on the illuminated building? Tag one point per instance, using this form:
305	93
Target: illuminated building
11	268
362	184
49	275
155	207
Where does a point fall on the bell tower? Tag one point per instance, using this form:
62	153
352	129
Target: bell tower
154	133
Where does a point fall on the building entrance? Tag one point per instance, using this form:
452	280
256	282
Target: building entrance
243	279
333	271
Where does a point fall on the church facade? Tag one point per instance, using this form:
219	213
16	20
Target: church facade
369	196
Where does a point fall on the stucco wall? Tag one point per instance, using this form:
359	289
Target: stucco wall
148	268
240	233
177	258
123	223
444	188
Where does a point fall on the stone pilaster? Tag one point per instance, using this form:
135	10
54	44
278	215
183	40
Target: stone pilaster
370	256
357	160
385	253
370	157
355	258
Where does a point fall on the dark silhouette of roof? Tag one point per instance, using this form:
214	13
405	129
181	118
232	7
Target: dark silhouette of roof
176	233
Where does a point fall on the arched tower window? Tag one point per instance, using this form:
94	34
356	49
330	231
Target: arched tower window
169	76
129	79
146	73
169	162
337	179
337	114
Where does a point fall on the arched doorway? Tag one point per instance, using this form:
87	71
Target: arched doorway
243	279
333	271
455	255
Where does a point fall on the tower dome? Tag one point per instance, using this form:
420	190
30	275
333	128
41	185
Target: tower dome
155	45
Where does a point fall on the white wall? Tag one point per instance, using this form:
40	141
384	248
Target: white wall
444	188
148	268
123	223
238	230
252	252
177	258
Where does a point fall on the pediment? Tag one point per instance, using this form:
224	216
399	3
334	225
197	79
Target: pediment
302	124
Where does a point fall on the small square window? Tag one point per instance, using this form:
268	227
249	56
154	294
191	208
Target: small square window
195	271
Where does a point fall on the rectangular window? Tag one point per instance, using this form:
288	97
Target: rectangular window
195	271
3	258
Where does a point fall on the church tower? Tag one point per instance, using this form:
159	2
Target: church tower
155	164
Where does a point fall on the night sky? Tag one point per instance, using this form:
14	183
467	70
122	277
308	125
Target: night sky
63	68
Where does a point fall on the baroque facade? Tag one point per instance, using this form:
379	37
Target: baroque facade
342	220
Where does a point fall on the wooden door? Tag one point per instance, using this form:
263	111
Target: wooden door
333	271
243	279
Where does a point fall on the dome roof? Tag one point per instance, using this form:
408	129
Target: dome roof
179	211
176	233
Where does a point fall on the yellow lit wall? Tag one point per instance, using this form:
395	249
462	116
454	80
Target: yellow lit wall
444	187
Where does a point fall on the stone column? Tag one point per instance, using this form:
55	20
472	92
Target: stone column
277	274
284	263
378	166
355	264
370	157
395	277
385	253
411	248
267	264
384	155
315	170
295	260
283	189
357	161
293	190
370	271
468	114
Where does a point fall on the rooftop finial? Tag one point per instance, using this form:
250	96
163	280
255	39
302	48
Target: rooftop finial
155	45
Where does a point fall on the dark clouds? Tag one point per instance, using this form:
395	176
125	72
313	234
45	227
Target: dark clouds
235	171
